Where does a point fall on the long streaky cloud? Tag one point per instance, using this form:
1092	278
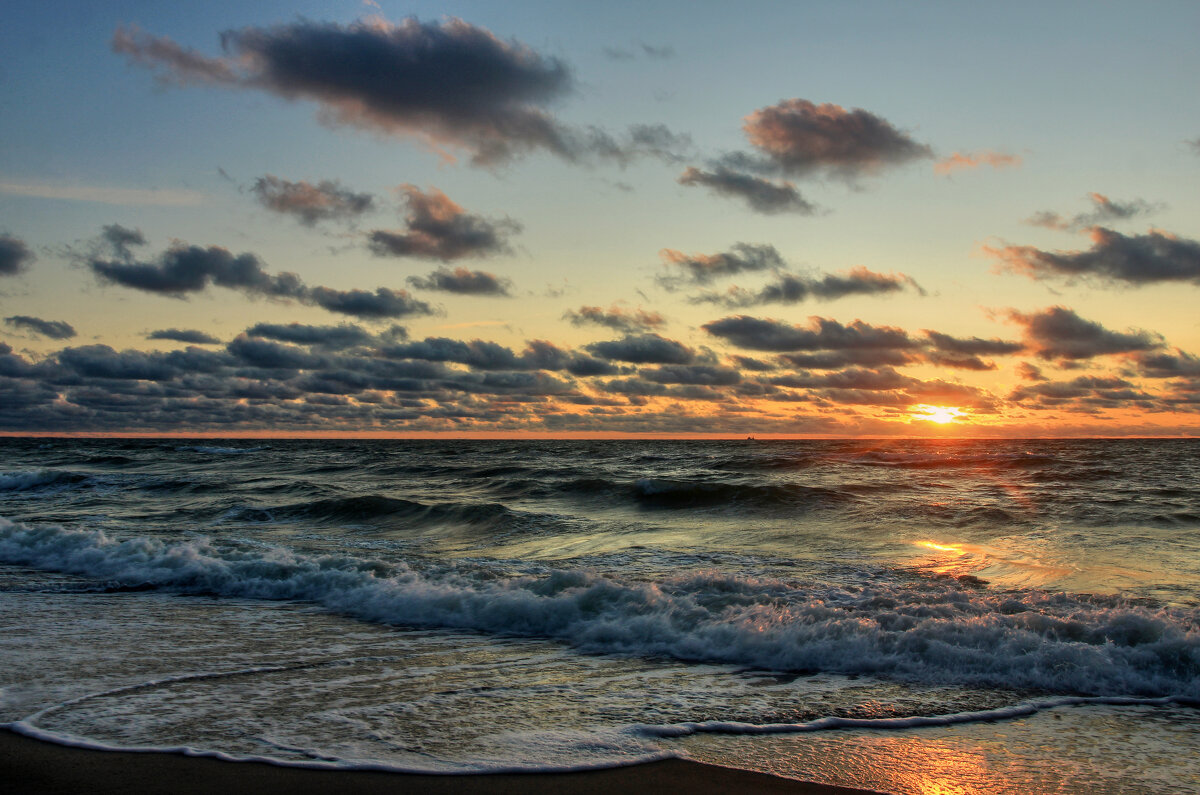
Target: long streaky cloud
967	161
789	288
453	85
310	204
184	269
1154	257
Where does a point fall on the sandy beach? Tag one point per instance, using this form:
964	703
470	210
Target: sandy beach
41	768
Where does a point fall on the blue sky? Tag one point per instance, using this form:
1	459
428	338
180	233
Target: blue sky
1083	110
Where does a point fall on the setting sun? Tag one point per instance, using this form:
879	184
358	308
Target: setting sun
938	414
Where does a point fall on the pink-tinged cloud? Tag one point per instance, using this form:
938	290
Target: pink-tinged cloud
801	138
1154	257
439	228
963	161
615	317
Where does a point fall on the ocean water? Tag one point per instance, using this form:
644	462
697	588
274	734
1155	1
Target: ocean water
911	616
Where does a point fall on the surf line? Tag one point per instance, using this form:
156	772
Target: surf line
833	722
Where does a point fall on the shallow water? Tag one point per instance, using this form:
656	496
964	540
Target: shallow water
467	605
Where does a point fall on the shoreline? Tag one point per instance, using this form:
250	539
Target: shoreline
40	767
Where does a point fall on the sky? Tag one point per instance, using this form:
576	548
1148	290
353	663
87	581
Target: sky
557	219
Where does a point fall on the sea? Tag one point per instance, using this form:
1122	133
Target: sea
910	616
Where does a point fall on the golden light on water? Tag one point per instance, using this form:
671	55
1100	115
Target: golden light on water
941	547
937	414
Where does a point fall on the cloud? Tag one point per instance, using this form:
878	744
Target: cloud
762	195
971	160
1135	259
615	318
1029	372
706	268
103	194
337	337
655	52
449	82
1104	210
53	329
463	282
383	303
183	269
15	256
190	336
1166	365
438	228
309	203
692	374
644	349
821	334
973	345
1059	333
453	85
791	288
802	139
1087	391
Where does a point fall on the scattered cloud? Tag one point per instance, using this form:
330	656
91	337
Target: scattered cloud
463	282
789	288
52	329
1104	210
450	84
821	334
338	337
644	349
1154	257
615	317
762	195
961	161
190	336
438	228
15	255
309	203
1059	333
684	269
802	139
184	269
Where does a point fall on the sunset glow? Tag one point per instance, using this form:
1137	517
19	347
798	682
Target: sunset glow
938	414
482	220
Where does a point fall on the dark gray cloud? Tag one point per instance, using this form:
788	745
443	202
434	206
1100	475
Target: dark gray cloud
1167	365
309	203
463	282
615	317
696	374
344	335
973	345
453	85
790	288
683	269
1135	259
191	336
880	380
448	82
15	256
802	138
437	228
1059	333
381	304
53	329
184	269
822	334
644	349
1089	392
1104	210
866	357
761	194
1030	372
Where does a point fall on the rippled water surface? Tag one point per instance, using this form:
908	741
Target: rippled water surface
839	610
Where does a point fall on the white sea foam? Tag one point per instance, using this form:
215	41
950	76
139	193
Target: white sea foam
934	632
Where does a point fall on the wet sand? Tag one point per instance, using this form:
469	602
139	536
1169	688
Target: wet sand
34	767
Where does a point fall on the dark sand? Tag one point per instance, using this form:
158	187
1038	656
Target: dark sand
41	768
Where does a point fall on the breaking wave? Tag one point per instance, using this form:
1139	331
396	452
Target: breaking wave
935	632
